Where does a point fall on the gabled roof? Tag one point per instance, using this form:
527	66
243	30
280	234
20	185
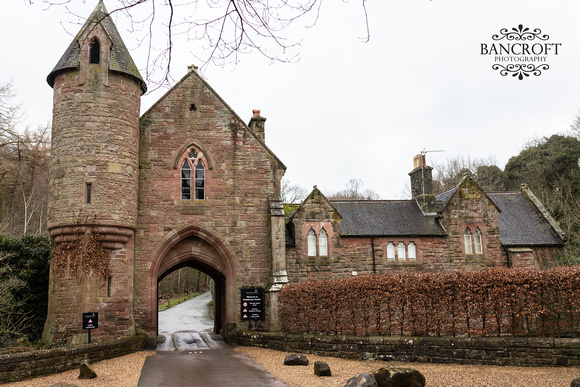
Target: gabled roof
119	61
520	222
192	72
385	218
444	197
314	194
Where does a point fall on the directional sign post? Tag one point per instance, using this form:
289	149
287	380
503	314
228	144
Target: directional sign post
90	322
252	307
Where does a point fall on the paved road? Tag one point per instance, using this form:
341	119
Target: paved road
189	354
187	326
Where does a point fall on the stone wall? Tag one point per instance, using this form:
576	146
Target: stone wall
470	208
27	365
460	350
232	231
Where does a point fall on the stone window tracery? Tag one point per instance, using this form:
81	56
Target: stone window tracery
194	163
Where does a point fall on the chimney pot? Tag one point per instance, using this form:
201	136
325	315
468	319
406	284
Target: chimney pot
256	112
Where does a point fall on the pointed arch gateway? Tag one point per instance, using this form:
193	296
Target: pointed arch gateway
202	250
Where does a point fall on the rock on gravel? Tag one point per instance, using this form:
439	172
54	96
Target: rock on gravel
436	375
122	371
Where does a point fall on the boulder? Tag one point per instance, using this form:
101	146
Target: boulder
575	383
86	371
361	380
399	377
296	359
321	368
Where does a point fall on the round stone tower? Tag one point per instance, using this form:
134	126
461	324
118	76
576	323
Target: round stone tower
94	183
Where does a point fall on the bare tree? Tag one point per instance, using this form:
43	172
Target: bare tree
24	170
449	173
226	27
292	193
354	190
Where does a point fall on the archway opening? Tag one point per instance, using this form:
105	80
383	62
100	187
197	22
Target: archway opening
215	285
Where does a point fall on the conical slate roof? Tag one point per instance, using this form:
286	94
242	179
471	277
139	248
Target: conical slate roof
120	60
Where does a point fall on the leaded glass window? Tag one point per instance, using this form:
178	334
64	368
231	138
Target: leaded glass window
185	181
195	182
199	181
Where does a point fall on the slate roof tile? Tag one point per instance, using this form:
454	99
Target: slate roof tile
120	59
520	224
385	218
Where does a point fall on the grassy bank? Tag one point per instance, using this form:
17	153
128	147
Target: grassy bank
175	301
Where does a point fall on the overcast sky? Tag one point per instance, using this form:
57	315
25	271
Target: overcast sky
349	109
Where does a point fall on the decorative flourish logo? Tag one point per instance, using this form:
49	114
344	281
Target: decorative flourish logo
518	46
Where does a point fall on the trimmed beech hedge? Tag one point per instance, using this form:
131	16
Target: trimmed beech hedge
492	302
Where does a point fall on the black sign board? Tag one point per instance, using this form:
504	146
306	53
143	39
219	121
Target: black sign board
252	307
90	320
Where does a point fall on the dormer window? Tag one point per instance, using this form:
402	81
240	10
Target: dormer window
95	51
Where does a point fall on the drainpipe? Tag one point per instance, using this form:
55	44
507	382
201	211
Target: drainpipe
373	250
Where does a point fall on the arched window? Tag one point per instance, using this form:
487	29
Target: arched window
199	181
185	181
477	242
323	243
412	251
467	241
390	251
95	51
311	243
401	251
193	162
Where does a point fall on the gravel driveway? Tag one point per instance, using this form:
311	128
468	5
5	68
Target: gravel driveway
125	372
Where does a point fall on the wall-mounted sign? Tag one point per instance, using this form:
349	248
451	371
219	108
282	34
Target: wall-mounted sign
252	307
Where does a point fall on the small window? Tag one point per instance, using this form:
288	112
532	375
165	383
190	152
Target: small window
401	251
323	243
199	181
193	183
311	243
467	241
95	51
185	181
412	251
89	192
390	251
477	242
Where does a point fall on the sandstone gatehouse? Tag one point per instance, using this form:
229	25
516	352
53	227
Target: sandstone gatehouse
189	183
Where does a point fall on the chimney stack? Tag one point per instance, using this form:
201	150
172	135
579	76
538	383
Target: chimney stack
257	124
422	183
